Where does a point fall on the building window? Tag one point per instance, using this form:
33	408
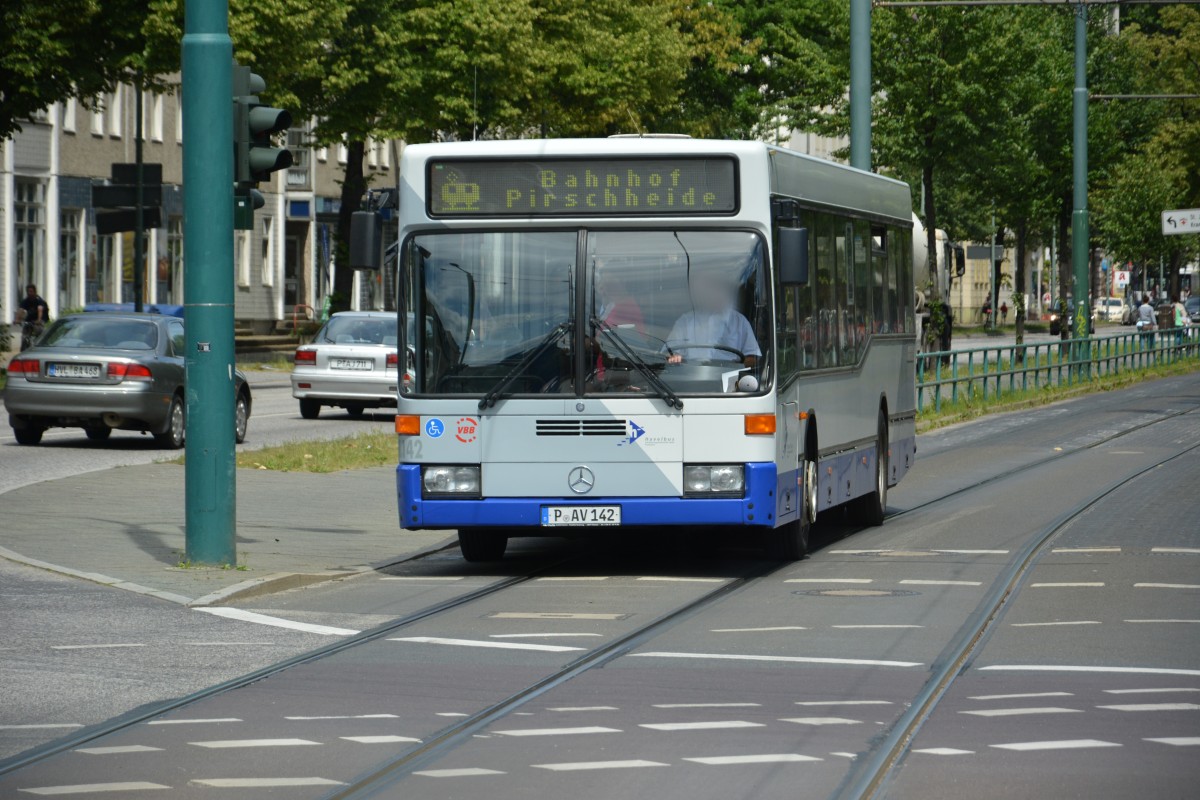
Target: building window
175	259
385	154
372	153
114	113
99	278
343	153
267	266
98	117
298	173
68	116
29	232
179	118
242	256
154	116
68	257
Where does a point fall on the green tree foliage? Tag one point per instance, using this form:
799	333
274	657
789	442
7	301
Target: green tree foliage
52	50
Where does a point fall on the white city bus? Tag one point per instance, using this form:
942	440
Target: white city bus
649	332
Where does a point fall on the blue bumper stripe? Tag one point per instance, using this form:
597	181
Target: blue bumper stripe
756	508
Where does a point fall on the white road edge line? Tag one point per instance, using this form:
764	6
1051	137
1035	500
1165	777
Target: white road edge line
276	622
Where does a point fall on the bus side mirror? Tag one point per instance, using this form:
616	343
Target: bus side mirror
793	256
960	262
366	240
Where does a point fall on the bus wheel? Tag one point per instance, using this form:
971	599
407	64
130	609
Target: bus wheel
869	509
789	542
482	544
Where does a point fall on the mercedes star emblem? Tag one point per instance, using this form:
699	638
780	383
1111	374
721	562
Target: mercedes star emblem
581	480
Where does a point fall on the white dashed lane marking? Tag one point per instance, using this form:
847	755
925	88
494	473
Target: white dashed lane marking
1086	550
944	751
577	578
277	622
700	726
261	783
538	635
1064	744
1166	586
1149	691
858	662
843	702
1073	668
95	788
117	750
40	726
379	739
578	766
822	721
556	731
766	758
667	579
342	716
1064	585
1168	621
469	772
707	705
1178	741
1020	696
93	646
1017	712
939	583
221	744
1192	550
1053	624
545	648
758	630
829	580
554	615
192	721
1154	707
424	578
583	708
867	627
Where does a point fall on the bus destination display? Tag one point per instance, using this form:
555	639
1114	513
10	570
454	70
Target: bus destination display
582	187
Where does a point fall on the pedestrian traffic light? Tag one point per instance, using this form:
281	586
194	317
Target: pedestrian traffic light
255	155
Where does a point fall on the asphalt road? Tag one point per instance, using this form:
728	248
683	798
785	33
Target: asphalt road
274	419
1023	624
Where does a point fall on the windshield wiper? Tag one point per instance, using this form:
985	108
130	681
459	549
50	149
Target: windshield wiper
660	388
551	339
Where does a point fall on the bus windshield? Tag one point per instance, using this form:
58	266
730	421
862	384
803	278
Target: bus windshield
660	313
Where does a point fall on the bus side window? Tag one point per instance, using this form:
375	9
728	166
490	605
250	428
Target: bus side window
826	292
879	239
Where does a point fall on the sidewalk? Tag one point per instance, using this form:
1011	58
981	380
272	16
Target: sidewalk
125	527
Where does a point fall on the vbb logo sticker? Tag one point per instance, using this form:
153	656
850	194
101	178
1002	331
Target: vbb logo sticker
467	428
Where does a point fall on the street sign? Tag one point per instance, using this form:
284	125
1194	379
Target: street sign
1121	278
125	219
120	196
1184	220
127	173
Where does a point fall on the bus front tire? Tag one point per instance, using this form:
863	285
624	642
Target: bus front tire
481	544
789	542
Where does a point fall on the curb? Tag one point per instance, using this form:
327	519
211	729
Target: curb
254	587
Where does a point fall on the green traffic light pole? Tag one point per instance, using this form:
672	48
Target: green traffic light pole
210	515
860	84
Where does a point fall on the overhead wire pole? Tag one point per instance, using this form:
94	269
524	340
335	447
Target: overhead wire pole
1080	231
860	84
208	282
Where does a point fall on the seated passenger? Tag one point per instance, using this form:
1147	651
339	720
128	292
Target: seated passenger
713	321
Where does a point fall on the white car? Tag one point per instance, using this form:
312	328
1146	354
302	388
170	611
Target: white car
1108	309
351	363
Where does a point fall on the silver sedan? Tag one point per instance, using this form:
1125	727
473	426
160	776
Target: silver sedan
107	371
352	363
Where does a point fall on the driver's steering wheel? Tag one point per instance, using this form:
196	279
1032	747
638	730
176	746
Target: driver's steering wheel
740	355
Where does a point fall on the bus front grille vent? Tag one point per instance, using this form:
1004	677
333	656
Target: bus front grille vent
581	427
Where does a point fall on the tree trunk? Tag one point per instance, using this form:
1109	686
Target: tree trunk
354	186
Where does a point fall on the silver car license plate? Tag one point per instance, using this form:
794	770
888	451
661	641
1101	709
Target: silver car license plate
553	516
73	370
351	363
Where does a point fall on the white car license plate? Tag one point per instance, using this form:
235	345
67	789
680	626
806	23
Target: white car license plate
73	370
351	363
580	515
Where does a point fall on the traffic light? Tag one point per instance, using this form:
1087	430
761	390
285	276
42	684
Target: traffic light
255	155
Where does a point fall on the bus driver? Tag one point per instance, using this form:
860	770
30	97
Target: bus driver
712	321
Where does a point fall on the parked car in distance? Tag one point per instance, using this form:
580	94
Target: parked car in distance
1192	306
352	363
104	371
1108	309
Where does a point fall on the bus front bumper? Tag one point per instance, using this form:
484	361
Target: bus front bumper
755	508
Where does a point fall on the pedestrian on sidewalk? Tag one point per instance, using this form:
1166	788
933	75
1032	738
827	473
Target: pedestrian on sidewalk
1004	313
1145	321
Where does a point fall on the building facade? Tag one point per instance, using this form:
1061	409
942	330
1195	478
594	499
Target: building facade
283	268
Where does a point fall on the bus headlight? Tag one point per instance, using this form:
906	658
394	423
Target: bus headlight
459	480
714	479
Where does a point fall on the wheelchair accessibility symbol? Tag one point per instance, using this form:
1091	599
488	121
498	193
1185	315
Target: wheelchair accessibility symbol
434	428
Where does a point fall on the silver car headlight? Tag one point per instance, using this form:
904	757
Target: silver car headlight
460	480
709	479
